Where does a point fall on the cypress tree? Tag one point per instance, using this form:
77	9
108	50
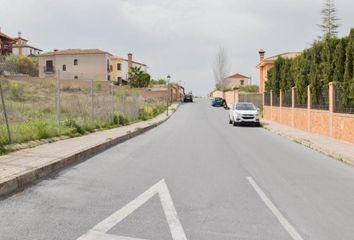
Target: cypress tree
339	60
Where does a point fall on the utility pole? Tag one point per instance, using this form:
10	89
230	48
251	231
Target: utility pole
5	114
168	93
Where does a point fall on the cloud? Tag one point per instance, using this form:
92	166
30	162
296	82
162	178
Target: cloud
179	38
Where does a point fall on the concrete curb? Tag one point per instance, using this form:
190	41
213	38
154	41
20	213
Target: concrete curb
18	183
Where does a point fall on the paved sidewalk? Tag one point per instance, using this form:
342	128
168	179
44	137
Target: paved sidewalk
23	167
341	150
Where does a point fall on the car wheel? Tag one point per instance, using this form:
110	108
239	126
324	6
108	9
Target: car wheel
230	121
234	123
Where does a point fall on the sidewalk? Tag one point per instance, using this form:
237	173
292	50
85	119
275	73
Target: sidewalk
24	167
343	151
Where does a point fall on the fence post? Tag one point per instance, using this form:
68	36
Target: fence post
293	99
113	109
5	114
271	104
281	105
332	106
58	97
92	105
309	108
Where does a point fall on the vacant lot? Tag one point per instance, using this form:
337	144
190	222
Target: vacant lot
40	108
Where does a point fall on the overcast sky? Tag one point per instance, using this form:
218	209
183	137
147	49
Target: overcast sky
176	37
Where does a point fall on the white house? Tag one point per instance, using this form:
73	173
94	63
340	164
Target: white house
21	47
83	64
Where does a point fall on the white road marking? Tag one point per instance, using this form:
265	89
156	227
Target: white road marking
288	227
98	232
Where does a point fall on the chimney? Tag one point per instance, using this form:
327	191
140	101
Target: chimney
130	61
261	55
19	34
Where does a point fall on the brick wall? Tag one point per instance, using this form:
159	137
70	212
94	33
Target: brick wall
324	122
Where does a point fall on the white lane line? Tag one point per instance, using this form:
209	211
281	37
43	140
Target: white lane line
288	227
93	235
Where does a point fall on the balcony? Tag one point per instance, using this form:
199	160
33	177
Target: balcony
49	70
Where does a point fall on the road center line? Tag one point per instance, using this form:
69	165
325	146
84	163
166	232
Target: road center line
288	227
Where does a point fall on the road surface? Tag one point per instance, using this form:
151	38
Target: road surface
193	177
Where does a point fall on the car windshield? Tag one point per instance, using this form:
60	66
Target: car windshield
218	99
245	106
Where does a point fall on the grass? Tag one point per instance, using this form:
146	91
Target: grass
32	110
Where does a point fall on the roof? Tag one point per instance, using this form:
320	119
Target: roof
237	75
124	59
5	36
25	45
283	55
74	52
17	38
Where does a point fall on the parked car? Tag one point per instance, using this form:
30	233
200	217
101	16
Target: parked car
188	98
244	112
218	102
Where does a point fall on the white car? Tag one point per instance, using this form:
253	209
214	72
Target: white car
244	113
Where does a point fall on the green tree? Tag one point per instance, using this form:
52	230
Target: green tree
339	60
139	78
329	25
250	88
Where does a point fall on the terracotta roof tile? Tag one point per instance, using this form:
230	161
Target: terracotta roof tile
75	52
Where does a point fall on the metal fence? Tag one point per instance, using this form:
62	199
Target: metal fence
255	98
300	102
344	99
320	99
287	101
275	99
267	98
45	108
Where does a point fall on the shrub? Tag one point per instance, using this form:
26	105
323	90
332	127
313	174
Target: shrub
15	90
120	119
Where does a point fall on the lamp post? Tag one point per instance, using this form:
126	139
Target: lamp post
168	93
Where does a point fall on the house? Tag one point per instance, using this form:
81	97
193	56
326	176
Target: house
5	44
121	67
265	64
83	64
236	81
20	47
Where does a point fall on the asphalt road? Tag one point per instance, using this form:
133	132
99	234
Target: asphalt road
193	177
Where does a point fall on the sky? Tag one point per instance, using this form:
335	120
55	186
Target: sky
179	38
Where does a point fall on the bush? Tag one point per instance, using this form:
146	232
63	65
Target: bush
120	119
16	90
250	88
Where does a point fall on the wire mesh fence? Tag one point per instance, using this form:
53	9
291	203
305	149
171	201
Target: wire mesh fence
320	98
287	99
300	100
275	99
45	108
344	98
267	98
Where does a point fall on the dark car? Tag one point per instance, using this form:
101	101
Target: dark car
218	102
188	98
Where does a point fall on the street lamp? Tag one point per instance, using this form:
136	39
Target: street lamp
168	92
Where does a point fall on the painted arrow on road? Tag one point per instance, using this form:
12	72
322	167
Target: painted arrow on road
99	232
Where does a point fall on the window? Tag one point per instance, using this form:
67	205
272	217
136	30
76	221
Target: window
76	62
119	66
242	82
109	78
76	77
64	68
